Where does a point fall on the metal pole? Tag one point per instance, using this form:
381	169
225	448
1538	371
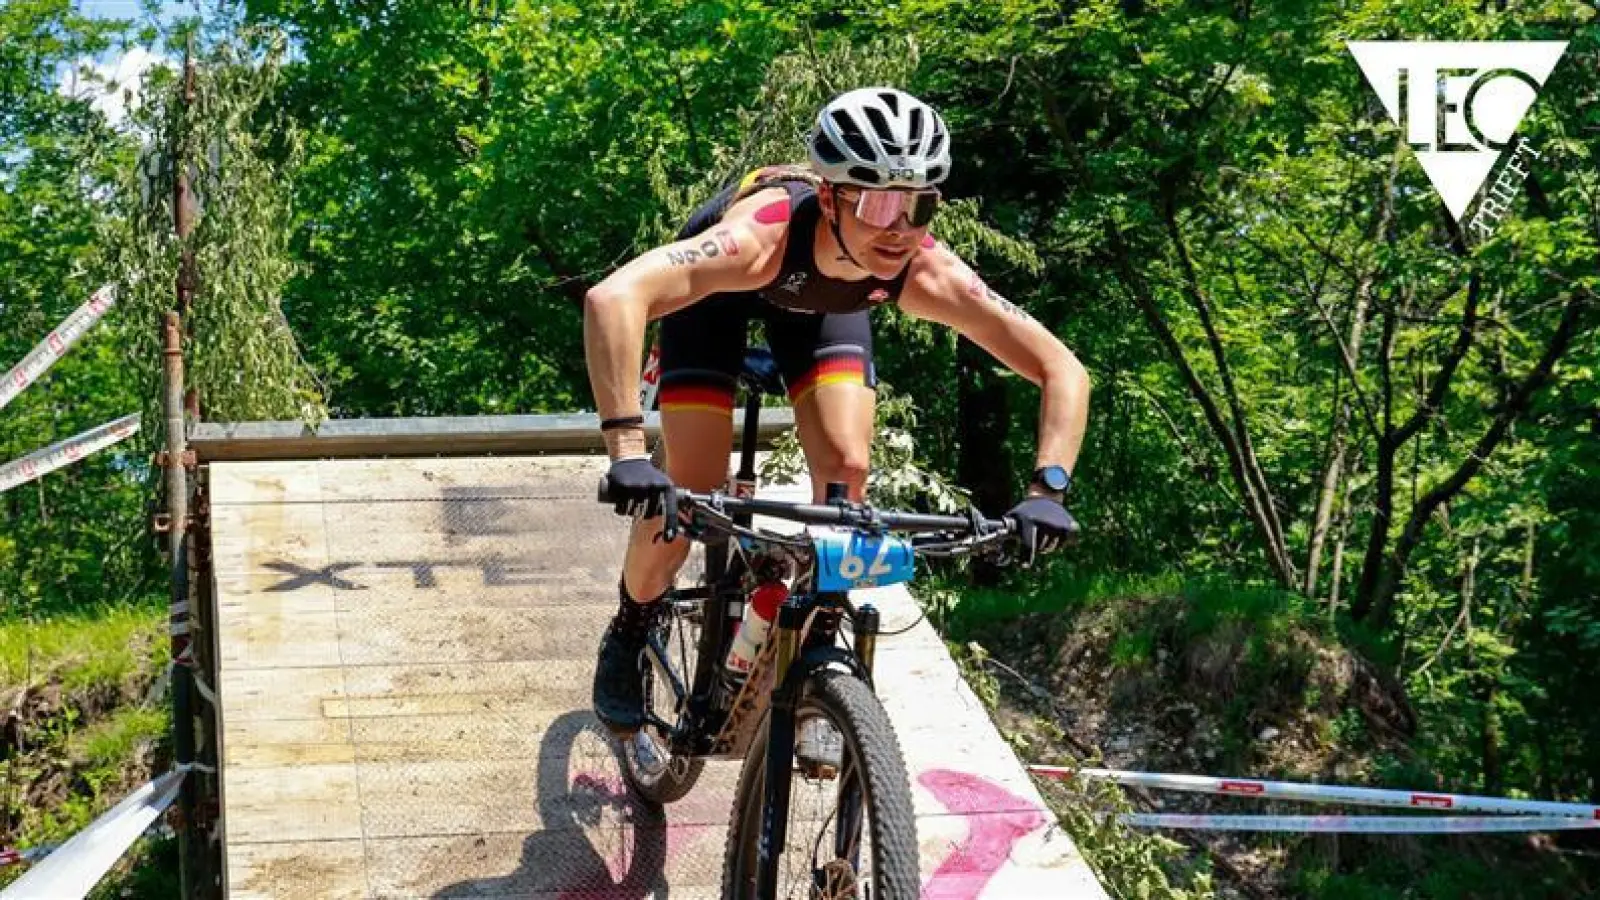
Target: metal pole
191	845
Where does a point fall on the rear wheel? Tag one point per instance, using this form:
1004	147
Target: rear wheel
851	831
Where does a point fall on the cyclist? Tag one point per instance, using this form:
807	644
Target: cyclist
810	252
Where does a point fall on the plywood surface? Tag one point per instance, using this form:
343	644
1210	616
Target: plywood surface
406	653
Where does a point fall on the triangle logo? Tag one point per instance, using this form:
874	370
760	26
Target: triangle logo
1458	103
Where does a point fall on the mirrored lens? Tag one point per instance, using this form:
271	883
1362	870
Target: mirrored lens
923	206
880	209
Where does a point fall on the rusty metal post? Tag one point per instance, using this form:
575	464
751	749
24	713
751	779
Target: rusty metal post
177	490
195	878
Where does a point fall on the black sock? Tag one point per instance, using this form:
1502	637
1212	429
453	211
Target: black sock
633	615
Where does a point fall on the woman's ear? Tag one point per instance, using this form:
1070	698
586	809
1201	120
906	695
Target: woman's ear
825	197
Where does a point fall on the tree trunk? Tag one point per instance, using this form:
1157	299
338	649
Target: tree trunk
1338	551
1254	504
1358	322
985	422
1251	466
1381	598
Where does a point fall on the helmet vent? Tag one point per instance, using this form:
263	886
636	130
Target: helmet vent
853	138
935	173
891	101
880	126
825	150
916	127
864	175
937	144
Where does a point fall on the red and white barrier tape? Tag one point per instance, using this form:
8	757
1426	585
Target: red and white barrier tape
74	868
1360	824
43	462
650	379
1324	793
11	856
56	344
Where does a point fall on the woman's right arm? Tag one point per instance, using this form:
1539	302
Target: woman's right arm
741	253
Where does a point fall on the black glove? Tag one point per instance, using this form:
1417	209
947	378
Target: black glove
635	486
1042	526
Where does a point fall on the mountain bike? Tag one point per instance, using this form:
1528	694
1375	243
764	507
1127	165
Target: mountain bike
823	809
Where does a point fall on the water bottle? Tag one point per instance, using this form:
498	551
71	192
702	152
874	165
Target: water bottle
759	613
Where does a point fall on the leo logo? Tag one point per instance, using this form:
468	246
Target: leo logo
1458	105
902	174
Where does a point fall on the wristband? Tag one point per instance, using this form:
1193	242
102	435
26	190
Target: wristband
621	422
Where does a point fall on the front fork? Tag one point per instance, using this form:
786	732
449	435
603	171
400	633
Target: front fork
781	730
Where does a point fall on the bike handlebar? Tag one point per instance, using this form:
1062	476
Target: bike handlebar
848	514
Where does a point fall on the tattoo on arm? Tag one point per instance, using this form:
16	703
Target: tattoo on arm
981	292
719	243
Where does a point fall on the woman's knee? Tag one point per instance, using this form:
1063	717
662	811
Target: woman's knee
698	448
849	464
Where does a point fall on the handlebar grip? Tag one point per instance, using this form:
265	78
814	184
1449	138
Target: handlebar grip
604	493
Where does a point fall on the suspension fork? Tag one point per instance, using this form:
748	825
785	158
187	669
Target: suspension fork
780	751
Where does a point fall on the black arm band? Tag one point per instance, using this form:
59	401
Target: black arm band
621	422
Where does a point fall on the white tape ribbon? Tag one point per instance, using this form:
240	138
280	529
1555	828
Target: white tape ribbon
56	344
1323	793
55	456
77	866
1360	824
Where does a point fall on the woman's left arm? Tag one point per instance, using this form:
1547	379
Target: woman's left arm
942	288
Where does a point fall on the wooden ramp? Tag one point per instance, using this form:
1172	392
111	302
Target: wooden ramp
405	653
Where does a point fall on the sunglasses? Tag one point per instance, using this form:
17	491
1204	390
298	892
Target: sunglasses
882	208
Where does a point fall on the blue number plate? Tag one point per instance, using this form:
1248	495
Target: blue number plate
846	559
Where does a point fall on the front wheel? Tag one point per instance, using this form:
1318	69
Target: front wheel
851	830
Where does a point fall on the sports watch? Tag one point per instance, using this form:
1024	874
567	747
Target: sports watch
1052	478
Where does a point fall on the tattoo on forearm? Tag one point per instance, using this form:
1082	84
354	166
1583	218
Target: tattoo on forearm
982	292
720	243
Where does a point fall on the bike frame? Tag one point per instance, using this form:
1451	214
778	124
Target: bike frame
794	666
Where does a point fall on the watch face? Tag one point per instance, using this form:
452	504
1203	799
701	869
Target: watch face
1053	477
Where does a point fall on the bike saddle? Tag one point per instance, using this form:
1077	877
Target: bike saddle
760	372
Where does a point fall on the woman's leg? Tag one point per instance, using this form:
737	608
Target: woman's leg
827	364
701	350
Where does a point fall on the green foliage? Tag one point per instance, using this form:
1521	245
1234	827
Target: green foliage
70	539
898	478
241	151
1133	864
419	197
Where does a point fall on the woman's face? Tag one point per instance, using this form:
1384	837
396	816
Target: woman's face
882	251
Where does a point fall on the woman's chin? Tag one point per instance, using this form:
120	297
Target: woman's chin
886	263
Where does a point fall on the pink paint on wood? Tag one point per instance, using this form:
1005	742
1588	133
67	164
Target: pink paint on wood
998	821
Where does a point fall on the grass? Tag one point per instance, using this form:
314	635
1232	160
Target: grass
109	743
93	743
85	650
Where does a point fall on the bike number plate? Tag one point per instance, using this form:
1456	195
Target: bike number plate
847	559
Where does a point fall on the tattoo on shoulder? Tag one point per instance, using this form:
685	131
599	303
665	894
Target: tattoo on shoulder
982	293
719	243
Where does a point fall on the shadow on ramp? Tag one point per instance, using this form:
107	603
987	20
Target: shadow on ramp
599	841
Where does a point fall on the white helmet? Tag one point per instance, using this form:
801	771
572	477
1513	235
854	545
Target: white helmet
880	137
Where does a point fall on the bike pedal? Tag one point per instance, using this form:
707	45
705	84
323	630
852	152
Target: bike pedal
648	755
818	772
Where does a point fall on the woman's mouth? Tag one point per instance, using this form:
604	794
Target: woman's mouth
892	253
